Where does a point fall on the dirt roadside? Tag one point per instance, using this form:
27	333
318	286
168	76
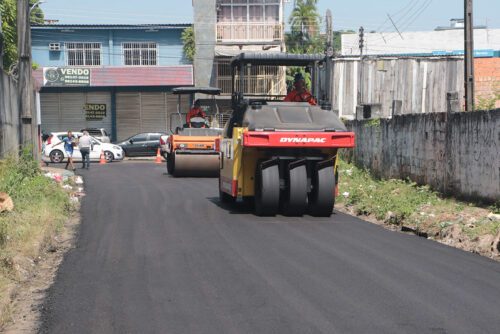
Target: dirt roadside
29	295
458	230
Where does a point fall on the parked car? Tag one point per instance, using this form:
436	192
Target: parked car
142	144
163	145
53	149
99	134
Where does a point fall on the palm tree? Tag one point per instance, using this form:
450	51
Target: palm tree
305	19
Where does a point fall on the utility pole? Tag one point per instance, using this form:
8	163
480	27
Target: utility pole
469	56
1	43
361	48
25	90
329	55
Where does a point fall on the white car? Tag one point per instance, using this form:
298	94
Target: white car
53	149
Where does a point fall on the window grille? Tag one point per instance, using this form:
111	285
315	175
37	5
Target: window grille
265	80
83	54
140	54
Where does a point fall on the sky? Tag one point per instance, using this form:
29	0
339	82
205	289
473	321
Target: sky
408	15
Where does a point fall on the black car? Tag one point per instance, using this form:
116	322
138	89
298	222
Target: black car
141	145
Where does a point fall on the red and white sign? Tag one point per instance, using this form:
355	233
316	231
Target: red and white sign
298	139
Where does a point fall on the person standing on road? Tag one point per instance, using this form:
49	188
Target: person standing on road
69	145
85	145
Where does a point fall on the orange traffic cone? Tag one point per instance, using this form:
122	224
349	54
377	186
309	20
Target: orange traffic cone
158	157
102	160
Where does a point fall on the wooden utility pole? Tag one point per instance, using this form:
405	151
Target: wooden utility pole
1	43
469	56
25	90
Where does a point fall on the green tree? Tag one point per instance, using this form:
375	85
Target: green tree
189	43
337	39
9	27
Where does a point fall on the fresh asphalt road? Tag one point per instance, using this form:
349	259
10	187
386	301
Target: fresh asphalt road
157	254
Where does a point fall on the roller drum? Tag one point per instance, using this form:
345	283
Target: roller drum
196	165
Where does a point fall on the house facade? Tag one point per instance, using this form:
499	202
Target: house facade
116	77
225	28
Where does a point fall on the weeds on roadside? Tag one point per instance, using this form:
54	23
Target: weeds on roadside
39	204
380	197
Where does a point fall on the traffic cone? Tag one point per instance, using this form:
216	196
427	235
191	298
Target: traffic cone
102	160
158	157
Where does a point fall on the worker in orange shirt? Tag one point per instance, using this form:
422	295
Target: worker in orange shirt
300	92
196	111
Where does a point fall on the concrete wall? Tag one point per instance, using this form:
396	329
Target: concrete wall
455	153
205	18
9	116
10	122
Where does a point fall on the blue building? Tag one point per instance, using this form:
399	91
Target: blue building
117	77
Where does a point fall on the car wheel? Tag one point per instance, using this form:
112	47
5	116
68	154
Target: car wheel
109	156
56	156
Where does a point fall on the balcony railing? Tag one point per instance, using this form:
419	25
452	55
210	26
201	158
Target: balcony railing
249	32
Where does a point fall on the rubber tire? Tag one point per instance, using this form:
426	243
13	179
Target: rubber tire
54	152
295	202
171	163
109	156
322	197
267	190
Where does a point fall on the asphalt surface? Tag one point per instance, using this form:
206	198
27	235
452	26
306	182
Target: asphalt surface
157	254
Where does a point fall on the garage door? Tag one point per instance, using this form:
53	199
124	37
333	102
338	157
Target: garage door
66	111
138	112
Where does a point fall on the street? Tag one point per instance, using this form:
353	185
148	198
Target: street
157	254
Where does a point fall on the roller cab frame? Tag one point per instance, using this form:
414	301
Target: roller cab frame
282	156
192	151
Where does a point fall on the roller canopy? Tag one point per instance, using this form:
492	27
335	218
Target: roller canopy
277	59
195	90
289	116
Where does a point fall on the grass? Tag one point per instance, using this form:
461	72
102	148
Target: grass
403	202
375	197
40	209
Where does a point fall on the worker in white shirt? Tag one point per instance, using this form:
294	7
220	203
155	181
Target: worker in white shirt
85	145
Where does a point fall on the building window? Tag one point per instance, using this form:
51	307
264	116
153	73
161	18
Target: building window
140	54
249	20
83	54
249	11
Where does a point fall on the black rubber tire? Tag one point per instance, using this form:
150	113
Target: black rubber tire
171	163
267	190
109	156
56	156
295	201
322	195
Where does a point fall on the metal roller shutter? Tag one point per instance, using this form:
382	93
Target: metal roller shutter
100	98
128	114
50	113
66	111
153	112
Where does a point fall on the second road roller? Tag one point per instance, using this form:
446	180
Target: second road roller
191	147
280	153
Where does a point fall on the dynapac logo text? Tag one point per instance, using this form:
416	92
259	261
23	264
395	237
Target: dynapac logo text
303	140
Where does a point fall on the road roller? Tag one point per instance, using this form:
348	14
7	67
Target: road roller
191	147
282	157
